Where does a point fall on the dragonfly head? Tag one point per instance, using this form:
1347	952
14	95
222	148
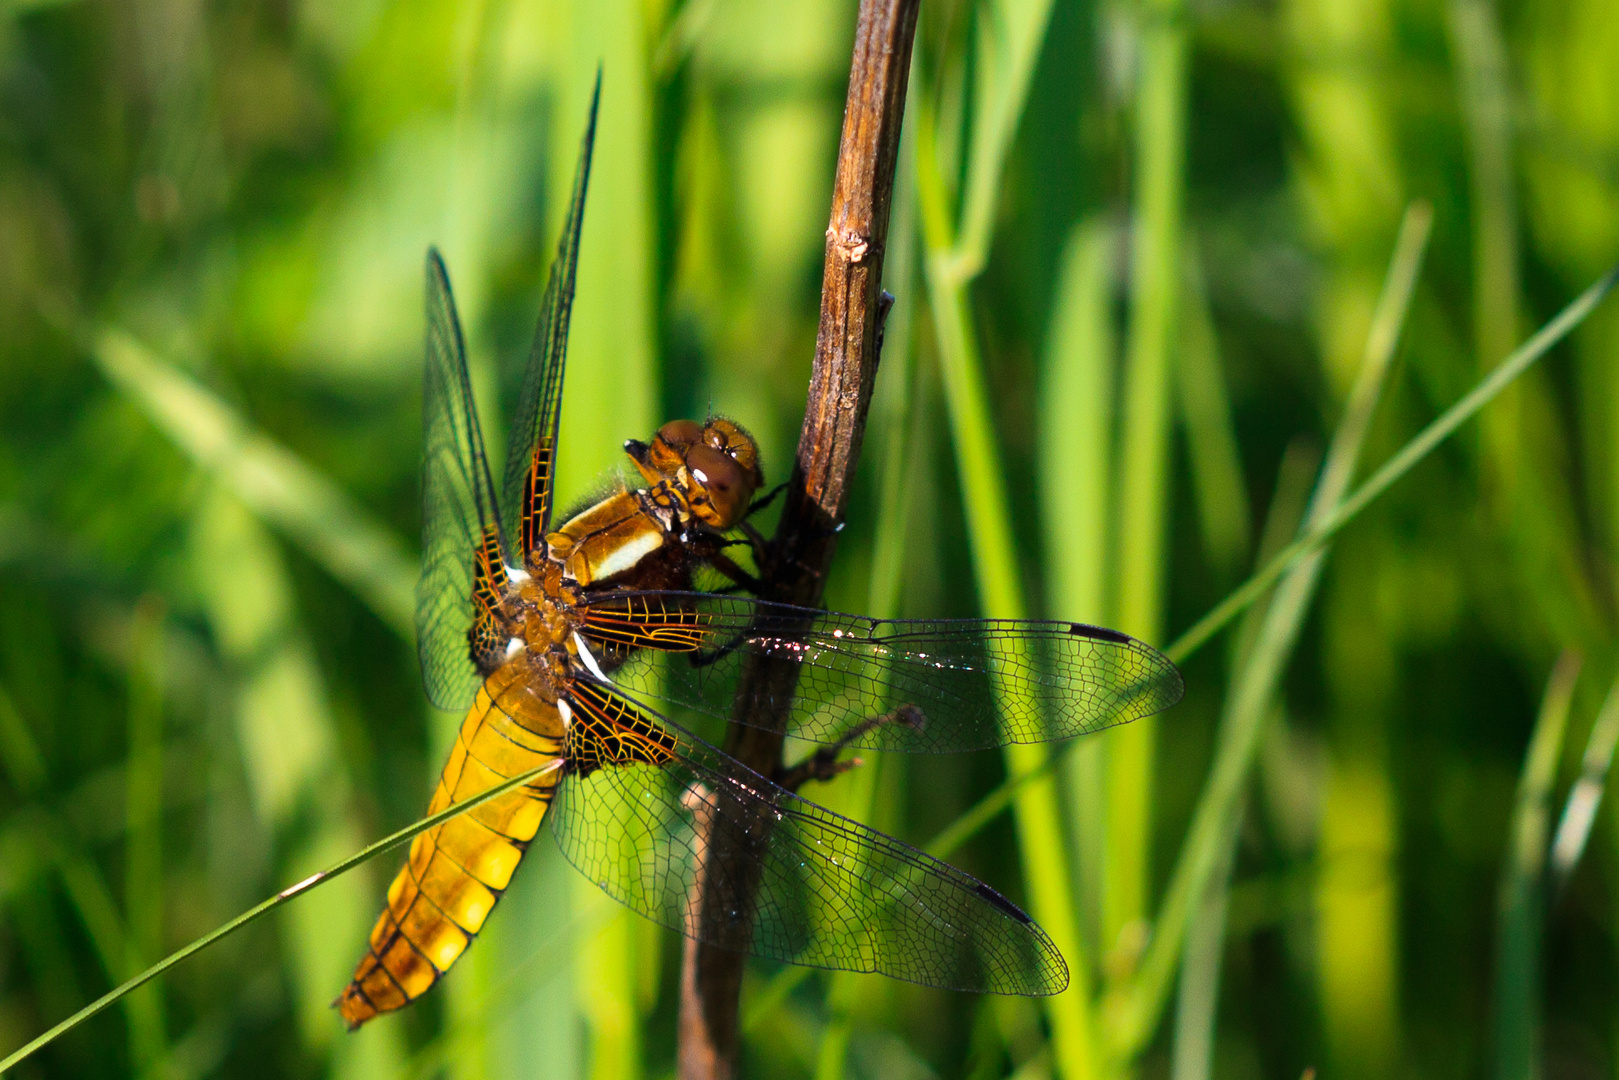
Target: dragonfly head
716	463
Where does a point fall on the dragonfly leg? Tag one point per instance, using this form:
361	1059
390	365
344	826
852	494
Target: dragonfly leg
765	500
756	543
825	765
742	579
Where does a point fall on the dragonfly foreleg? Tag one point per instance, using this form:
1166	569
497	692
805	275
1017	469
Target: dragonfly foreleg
824	764
765	500
756	543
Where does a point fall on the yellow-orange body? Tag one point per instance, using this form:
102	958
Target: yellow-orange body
458	870
527	637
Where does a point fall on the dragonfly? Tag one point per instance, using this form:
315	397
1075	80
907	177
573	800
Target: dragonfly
550	639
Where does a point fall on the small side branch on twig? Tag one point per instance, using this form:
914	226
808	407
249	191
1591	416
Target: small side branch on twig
827	764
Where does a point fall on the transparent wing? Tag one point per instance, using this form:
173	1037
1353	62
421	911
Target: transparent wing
531	450
801	884
460	519
976	683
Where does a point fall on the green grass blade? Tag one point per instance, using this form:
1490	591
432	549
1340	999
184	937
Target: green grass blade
1134	1007
1211	438
278	486
981	813
1142	492
1481	71
1076	464
1076	424
1580	811
1009	38
258	911
1197	998
1518	919
1000	590
1532	503
1045	865
1396	467
143	865
1197	1001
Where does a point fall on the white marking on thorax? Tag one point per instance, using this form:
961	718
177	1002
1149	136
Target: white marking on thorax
627	555
589	658
565	711
517	574
514	646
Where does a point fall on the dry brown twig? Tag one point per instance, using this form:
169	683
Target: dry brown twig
840	389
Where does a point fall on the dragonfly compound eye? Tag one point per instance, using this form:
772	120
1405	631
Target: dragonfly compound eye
664	456
680	434
733	439
727	486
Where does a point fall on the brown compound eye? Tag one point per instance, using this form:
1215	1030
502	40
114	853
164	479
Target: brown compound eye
731	438
679	434
667	451
727	486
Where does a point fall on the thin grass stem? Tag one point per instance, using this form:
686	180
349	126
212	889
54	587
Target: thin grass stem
981	813
1134	1006
1141	493
259	910
1393	470
1517	969
143	793
1585	797
1000	588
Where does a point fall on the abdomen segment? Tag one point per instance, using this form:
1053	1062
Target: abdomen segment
459	869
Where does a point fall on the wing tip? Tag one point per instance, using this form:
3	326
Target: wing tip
1006	906
1099	633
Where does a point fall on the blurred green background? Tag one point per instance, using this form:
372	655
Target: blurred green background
1138	247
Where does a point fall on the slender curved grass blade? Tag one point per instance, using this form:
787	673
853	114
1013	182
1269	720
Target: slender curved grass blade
1141	500
277	485
263	908
1522	890
1134	1007
1408	457
1585	797
1211	438
981	813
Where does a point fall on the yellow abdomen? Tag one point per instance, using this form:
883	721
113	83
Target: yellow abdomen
458	870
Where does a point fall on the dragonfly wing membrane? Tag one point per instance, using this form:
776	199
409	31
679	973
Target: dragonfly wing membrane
809	886
531	450
971	683
461	539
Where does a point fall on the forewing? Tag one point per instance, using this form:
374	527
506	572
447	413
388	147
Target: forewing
958	684
798	883
531	450
459	512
